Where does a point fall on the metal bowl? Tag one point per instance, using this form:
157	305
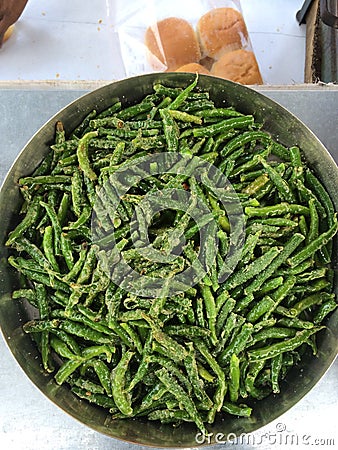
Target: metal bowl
288	130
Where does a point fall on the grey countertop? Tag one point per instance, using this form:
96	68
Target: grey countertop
30	421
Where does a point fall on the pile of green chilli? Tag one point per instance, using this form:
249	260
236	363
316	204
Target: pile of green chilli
215	348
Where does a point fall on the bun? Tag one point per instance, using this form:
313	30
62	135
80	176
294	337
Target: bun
8	32
172	43
240	66
193	68
221	30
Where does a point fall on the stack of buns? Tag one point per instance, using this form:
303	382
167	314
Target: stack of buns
220	46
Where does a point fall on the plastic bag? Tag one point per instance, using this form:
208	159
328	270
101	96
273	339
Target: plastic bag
205	36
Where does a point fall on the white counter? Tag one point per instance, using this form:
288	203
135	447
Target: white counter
75	40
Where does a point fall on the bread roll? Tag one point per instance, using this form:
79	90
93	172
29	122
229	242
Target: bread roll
221	30
193	68
8	32
240	66
172	43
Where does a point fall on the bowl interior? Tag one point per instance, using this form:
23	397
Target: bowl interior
285	128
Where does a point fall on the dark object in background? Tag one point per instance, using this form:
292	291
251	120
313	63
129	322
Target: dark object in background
10	11
321	17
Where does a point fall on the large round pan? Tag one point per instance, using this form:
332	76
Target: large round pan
285	128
